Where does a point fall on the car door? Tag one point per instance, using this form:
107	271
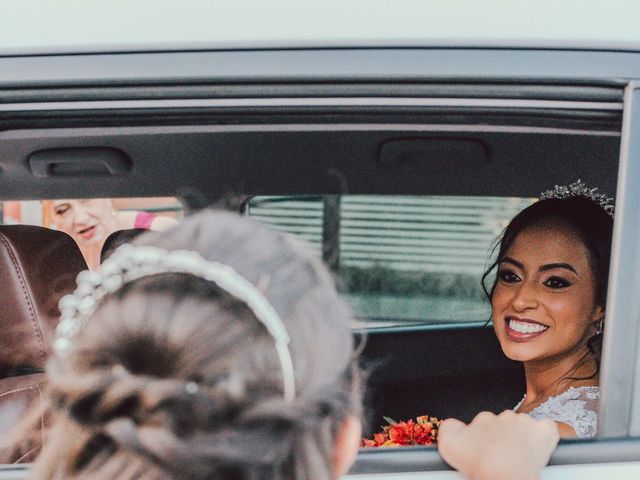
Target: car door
615	452
418	121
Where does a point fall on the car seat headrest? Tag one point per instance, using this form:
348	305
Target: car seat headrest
118	238
38	266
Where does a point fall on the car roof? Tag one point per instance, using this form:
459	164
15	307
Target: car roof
44	27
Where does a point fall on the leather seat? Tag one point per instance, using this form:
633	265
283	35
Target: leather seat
38	266
118	238
17	395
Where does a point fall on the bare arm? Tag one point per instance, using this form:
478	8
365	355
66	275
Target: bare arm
161	223
566	431
127	219
498	447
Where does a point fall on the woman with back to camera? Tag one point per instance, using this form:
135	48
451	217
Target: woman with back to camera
182	373
548	302
220	349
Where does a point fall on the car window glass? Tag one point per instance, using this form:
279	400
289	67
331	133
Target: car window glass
400	259
98	225
34	212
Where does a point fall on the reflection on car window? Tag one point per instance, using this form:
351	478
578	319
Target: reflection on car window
408	259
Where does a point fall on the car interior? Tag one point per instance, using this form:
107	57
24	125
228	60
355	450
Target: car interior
37	267
480	140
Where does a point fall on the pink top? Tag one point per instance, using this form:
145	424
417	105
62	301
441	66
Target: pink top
144	220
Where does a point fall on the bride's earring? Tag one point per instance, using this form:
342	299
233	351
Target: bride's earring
600	326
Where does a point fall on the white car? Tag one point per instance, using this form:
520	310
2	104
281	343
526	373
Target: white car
365	127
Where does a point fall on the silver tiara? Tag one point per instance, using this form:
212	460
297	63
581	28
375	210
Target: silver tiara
129	263
579	189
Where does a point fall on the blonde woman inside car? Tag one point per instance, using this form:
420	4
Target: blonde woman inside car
221	349
91	221
548	303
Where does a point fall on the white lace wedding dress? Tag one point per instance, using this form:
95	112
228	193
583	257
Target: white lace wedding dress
577	407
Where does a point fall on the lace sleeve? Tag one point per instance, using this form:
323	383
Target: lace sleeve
577	407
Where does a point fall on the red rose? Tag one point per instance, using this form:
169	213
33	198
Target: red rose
423	434
380	438
402	433
367	443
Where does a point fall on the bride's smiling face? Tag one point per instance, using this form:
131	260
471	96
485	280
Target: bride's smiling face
543	303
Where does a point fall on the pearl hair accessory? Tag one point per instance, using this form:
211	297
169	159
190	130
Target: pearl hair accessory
129	263
579	189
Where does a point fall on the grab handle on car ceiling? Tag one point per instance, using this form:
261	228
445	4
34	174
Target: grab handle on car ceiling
75	162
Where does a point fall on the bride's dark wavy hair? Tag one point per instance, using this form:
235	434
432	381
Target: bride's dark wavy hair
581	215
123	405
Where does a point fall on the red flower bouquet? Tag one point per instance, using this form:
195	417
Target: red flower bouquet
424	431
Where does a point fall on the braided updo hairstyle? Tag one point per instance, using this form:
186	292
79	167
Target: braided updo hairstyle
174	378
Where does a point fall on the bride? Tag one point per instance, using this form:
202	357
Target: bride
548	300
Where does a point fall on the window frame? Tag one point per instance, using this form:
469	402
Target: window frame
620	381
448	65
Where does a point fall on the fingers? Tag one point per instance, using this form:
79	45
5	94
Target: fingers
448	427
453	439
547	435
448	441
549	428
504	446
485	416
